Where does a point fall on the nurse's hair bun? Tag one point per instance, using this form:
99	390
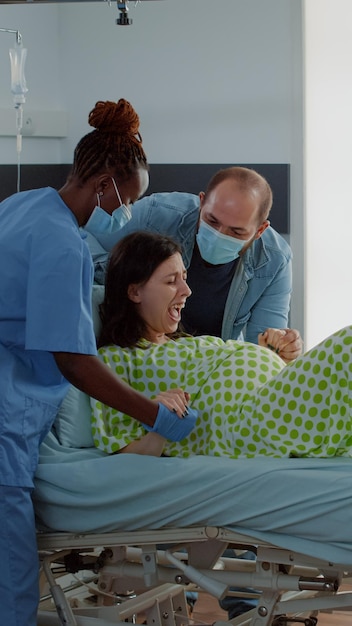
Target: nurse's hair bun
114	146
115	117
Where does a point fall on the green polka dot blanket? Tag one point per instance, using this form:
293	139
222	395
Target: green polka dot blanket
249	402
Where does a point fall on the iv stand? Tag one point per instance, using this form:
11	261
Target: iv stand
18	88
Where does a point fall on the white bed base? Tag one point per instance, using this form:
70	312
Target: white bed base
133	577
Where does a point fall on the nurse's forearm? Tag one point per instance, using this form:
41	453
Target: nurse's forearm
94	378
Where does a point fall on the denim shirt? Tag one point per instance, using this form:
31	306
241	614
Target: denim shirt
260	293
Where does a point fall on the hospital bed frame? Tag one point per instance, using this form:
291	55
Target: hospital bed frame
142	576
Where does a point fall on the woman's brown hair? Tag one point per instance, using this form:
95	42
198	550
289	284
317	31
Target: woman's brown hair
133	260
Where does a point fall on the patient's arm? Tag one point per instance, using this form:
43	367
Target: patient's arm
286	342
151	444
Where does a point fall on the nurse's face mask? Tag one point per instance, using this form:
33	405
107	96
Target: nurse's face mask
101	222
216	248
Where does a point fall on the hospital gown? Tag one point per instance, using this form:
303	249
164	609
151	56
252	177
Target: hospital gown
249	402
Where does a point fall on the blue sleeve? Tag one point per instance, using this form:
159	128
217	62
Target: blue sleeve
100	245
140	216
172	213
165	213
58	308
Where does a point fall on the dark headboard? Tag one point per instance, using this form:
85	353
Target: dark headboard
163	177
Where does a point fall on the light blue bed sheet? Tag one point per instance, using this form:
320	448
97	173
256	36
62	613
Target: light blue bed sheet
303	505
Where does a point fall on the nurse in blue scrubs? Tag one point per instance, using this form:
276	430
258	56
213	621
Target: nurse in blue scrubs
46	331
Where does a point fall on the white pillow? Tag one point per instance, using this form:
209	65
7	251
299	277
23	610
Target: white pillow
73	421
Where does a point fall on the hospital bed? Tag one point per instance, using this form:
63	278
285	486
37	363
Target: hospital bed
133	578
137	532
121	538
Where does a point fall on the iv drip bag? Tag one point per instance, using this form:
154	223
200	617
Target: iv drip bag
18	82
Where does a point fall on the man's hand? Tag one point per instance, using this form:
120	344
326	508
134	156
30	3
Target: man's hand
286	342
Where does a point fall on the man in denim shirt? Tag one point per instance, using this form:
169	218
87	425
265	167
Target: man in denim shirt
239	268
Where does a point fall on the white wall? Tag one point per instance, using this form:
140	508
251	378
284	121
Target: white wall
210	85
38	26
328	161
212	82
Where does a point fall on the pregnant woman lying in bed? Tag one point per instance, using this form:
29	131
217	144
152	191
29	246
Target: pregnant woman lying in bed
250	402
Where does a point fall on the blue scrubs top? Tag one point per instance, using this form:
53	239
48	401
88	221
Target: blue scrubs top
45	306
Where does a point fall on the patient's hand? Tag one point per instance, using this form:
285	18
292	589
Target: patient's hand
175	400
151	444
286	342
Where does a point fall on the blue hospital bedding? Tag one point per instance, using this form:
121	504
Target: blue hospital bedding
299	504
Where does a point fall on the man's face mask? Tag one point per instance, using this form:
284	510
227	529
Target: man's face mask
216	248
101	222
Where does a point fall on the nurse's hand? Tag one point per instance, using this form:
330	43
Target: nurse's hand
172	427
286	342
175	399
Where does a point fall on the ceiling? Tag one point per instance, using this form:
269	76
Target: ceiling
53	1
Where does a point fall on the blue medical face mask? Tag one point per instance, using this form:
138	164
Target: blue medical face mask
216	248
101	222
